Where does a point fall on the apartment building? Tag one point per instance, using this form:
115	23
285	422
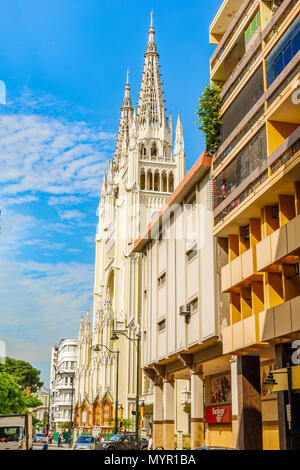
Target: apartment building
63	368
180	329
256	181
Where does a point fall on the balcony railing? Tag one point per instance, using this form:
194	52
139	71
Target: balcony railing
276	160
278	19
230	32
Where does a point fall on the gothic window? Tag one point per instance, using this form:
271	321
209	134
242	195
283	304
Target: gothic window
171	182
149	181
164	182
143	151
142	182
156	181
153	151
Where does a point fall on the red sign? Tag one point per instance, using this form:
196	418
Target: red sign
218	414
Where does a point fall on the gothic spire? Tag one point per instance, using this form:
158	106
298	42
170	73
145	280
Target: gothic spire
151	47
127	100
151	109
179	141
123	133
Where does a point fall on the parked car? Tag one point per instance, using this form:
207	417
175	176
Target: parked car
124	441
86	443
39	437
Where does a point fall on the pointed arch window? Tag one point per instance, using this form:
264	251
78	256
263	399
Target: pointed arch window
149	181
156	181
164	182
153	151
143	180
171	182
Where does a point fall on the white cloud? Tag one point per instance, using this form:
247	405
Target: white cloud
90	239
56	154
41	302
71	214
47	302
18	200
65	200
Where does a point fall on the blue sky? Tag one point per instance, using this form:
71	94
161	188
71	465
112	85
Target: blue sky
64	64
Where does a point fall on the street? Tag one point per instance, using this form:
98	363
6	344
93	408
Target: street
39	446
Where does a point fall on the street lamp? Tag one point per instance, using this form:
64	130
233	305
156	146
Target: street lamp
137	341
270	382
97	348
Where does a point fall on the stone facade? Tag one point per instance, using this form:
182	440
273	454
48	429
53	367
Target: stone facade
141	175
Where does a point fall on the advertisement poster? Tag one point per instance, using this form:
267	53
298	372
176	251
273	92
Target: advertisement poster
221	389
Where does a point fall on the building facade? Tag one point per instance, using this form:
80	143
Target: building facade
62	385
256	181
180	326
42	412
142	174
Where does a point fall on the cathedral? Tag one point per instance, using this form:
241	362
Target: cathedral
142	173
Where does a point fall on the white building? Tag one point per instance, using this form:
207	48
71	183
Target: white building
63	367
144	171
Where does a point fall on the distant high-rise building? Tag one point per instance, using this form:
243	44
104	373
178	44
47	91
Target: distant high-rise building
62	384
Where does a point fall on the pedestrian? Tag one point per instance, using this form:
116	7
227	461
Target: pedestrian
59	440
46	441
150	443
62	440
50	437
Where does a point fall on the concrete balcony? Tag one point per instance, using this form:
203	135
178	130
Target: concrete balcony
239	270
282	321
282	243
222	20
293	236
242	336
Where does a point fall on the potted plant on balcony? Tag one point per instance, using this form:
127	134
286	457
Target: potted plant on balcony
208	114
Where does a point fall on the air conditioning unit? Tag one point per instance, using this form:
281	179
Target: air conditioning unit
185	310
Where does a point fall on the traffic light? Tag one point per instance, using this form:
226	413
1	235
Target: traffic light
121	412
142	410
28	389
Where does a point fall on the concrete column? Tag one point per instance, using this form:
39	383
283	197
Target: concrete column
197	411
168	414
158	415
249	403
283	354
234	398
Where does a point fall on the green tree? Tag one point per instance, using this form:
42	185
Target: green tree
12	399
38	424
65	425
24	373
208	114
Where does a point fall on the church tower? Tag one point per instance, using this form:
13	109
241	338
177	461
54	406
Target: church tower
141	175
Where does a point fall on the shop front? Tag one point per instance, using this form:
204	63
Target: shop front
218	410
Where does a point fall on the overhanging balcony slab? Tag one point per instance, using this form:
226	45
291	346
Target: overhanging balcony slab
279	248
266	325
295	313
283	319
222	20
293	236
227	340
